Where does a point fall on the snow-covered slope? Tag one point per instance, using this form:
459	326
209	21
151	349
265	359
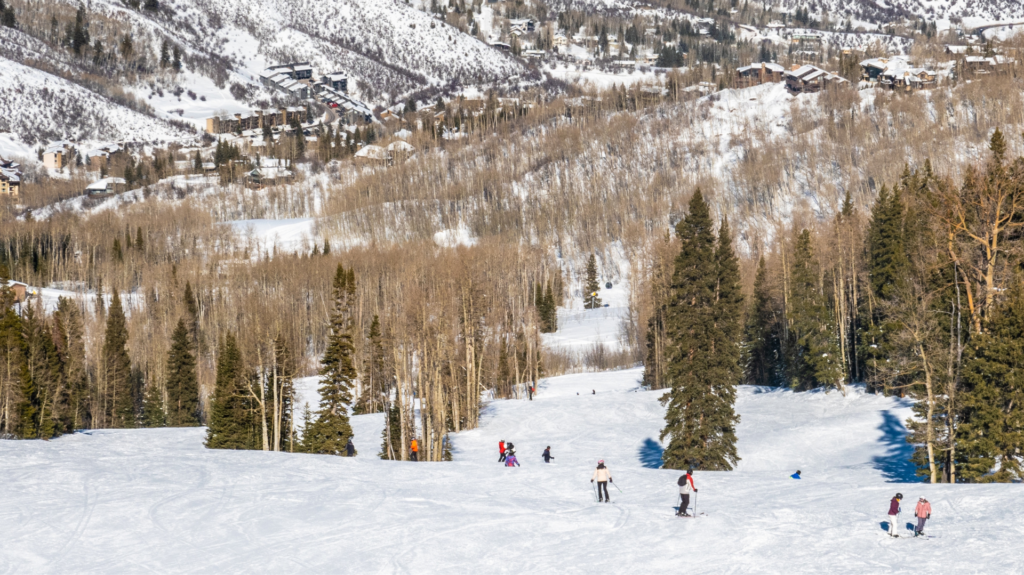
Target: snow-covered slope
892	10
156	500
38	106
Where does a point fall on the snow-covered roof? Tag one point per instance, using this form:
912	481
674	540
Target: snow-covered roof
403	134
770	66
103	184
58	146
11	175
372	152
401	146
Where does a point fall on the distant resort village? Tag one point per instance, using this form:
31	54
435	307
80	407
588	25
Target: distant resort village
259	147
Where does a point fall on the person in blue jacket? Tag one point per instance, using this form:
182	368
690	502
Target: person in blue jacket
796	475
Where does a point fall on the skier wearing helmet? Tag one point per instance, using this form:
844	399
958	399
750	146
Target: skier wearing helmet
894	514
603	476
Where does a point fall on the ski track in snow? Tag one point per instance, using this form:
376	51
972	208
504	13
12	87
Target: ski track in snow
132	501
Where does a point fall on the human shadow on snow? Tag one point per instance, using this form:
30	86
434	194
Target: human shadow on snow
650	454
895	465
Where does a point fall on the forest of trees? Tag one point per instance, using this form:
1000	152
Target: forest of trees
921	298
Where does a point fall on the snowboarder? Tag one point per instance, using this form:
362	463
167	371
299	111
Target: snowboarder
685	487
350	449
414	448
511	461
603	476
923	513
547	454
501	451
796	475
593	392
894	513
510	449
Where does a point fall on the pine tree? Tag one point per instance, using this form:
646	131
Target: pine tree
118	373
232	424
992	430
153	414
592	286
703	326
391	441
331	431
70	334
762	345
550	310
182	385
817	361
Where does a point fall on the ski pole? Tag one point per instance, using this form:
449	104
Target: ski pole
616	486
694	503
595	491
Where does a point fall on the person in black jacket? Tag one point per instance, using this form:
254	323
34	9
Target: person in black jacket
547	454
350	449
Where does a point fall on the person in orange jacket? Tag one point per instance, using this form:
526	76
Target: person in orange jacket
415	449
923	512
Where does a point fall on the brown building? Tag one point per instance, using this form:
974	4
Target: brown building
757	74
810	79
255	120
10	178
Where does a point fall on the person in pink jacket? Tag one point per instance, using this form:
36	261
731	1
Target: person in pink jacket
923	512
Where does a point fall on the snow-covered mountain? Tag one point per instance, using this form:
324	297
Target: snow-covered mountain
892	10
40	106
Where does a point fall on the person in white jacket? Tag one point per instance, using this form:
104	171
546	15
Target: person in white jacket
603	476
685	487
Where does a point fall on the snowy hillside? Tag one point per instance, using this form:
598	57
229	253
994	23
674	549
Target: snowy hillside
389	45
931	10
156	500
39	107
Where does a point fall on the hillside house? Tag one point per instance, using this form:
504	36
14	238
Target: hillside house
336	81
809	79
292	79
21	291
100	157
871	70
521	26
268	175
990	65
371	155
908	79
348	109
57	154
400	151
254	120
105	187
757	74
10	178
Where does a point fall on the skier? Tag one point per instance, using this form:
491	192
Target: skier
603	476
923	513
547	454
511	461
685	486
510	449
894	513
415	449
796	475
501	451
350	449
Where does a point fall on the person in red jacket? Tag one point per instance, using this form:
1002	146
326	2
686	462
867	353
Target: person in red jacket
923	513
685	487
894	514
501	451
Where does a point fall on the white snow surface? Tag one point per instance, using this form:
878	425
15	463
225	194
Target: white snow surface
133	501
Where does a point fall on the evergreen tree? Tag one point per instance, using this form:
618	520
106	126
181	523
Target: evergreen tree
816	361
153	414
549	315
762	345
331	431
232	424
12	348
592	286
118	372
182	385
70	335
992	430
391	441
703	326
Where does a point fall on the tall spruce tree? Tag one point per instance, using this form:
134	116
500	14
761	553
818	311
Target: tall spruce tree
118	372
816	360
391	441
232	422
330	432
992	429
70	336
592	286
703	327
153	412
182	385
762	343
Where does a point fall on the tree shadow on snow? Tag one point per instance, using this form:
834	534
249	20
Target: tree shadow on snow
650	454
895	465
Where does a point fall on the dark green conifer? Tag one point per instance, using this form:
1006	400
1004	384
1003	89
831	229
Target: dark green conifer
182	385
816	361
231	423
703	327
118	372
762	345
592	286
391	440
331	431
153	414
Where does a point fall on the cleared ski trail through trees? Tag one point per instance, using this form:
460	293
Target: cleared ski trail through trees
139	501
